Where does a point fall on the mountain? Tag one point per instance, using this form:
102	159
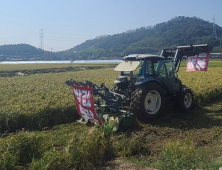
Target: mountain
20	52
151	39
177	31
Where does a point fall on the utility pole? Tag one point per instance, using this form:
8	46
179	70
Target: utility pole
41	36
214	28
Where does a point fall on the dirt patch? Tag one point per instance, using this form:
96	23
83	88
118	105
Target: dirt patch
120	164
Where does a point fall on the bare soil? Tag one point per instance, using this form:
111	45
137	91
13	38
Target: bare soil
120	164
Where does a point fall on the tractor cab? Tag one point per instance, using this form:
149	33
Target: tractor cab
138	69
128	69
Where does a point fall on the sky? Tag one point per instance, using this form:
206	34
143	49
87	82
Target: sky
67	23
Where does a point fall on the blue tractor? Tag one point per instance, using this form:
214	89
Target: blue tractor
151	81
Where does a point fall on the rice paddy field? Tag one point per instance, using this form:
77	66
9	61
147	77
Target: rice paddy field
38	128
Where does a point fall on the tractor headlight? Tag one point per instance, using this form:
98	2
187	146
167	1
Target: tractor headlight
121	79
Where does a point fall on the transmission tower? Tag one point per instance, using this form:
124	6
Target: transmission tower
41	36
214	28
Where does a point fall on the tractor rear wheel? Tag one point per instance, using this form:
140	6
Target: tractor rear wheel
148	101
185	100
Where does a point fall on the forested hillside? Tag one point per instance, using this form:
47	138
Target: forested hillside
151	39
21	52
177	31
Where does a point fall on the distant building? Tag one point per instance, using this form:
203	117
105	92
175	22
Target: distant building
215	55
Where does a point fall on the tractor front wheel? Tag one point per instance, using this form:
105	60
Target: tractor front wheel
185	100
148	101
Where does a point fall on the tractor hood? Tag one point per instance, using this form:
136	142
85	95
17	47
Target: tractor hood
127	66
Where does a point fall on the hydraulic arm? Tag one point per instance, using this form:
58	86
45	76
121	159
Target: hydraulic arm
189	50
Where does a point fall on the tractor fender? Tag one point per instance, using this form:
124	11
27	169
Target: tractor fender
142	81
150	79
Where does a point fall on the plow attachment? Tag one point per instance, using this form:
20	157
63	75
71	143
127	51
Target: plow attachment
99	105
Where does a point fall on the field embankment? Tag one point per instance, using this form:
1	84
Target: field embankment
9	70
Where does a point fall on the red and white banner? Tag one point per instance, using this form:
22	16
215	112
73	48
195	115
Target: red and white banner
198	62
84	103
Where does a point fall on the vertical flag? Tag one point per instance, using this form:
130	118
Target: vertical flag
198	62
84	103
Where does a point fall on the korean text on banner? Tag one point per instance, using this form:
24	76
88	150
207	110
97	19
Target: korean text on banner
84	103
198	62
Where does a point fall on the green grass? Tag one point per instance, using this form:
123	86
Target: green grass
65	146
176	141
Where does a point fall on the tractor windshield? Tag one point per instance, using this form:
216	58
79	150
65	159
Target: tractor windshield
164	68
127	66
165	72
